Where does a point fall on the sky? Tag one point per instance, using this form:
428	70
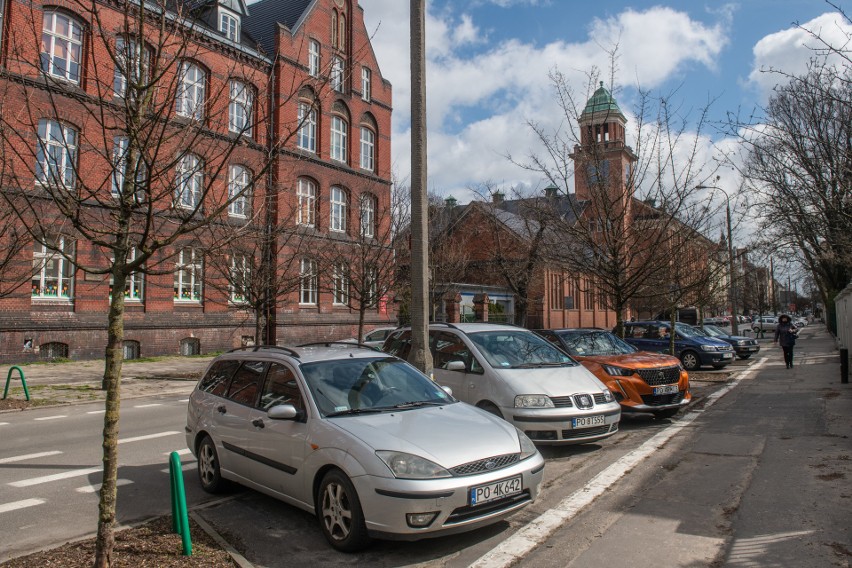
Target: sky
489	62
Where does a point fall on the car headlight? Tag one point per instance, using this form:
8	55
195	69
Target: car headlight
607	395
533	401
409	466
614	371
743	342
708	347
528	449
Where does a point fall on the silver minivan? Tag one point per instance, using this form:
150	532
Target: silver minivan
519	376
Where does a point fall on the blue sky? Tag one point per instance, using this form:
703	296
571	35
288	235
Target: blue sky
489	60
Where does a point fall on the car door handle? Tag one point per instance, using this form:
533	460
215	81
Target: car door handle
221	408
258	422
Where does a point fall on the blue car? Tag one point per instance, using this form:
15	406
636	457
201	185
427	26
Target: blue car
694	349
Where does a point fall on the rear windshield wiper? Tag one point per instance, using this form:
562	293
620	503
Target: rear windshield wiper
352	411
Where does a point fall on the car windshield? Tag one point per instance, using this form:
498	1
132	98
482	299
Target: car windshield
355	386
687	330
518	349
714	331
595	343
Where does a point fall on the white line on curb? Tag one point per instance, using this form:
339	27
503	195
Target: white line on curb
30	456
533	534
148	437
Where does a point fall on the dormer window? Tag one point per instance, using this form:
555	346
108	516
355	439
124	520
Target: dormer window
229	25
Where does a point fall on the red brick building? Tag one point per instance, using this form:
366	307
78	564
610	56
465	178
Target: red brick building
283	106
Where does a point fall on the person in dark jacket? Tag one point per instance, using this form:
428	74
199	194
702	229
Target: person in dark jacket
785	336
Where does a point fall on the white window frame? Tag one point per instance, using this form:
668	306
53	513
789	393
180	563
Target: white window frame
240	278
314	58
337	74
2	8
191	91
130	57
308	283
229	24
58	42
340	285
135	288
56	155
306	194
368	216
188	183
49	265
368	149
189	272
339	136
119	164
338	209
371	287
307	138
366	84
239	181
240	107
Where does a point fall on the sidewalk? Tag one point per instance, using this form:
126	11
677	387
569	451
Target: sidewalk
761	478
80	381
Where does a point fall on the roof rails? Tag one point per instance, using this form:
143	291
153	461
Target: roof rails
448	324
346	343
260	347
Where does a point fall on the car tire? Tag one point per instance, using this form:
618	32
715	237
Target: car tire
340	514
718	367
667	413
489	407
209	473
690	360
746	356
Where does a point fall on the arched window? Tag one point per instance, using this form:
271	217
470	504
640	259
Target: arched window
189	180
306	193
368	148
337	74
307	137
191	91
308	281
189	270
132	60
239	191
334	28
314	58
368	215
341	34
61	46
339	133
339	210
131	349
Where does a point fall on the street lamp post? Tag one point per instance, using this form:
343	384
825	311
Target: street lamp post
735	328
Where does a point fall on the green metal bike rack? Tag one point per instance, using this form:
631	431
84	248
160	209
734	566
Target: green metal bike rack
23	382
180	518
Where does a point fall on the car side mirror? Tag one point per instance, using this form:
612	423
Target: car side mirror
284	412
455	366
447	390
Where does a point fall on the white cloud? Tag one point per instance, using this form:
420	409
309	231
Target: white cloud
501	85
790	50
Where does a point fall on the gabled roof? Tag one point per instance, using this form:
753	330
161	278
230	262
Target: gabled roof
264	17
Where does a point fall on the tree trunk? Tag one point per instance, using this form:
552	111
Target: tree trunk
111	383
362	309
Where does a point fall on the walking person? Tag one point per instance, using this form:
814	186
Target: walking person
785	336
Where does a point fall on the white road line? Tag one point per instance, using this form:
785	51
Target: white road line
148	437
97	487
182	452
30	456
6	507
184	400
536	532
147	405
97	412
4	423
55	477
184	467
51	417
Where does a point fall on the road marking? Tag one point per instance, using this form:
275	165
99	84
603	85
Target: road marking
56	477
537	531
4	423
30	456
147	405
97	412
148	437
184	400
97	486
182	452
183	467
51	417
14	506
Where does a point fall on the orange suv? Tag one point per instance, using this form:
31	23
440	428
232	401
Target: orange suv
640	381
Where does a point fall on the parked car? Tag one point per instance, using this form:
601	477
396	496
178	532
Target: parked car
720	321
764	323
692	347
519	376
374	338
361	439
744	347
639	381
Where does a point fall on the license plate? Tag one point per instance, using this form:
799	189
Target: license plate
751	348
496	490
668	389
727	355
587	421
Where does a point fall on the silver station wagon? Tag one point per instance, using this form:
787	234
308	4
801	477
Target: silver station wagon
519	376
362	439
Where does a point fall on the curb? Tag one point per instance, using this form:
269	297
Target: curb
241	560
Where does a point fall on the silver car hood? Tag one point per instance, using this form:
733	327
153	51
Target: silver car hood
552	381
448	435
